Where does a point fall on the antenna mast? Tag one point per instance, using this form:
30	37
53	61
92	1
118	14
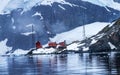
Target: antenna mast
32	36
84	33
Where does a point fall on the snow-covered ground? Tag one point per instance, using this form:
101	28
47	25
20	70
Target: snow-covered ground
44	51
77	33
19	52
3	47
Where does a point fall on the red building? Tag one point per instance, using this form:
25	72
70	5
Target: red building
38	45
52	44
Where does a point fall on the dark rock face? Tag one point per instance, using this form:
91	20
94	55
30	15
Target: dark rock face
112	35
100	46
55	20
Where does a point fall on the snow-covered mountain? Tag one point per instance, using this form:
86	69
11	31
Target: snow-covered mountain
72	36
9	5
23	22
77	33
110	39
106	40
105	3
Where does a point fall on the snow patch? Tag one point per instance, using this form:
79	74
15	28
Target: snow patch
111	45
107	9
93	41
114	13
100	35
20	52
61	7
85	48
112	24
28	33
50	2
3	47
38	14
12	20
30	25
3	4
83	7
73	46
14	27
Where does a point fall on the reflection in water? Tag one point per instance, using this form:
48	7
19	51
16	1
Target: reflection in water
61	64
116	66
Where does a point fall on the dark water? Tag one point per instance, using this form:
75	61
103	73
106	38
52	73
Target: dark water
70	64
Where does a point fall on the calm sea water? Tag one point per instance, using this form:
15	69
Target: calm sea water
67	64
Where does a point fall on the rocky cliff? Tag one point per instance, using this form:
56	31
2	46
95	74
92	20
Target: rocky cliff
109	38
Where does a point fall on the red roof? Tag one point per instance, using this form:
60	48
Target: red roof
62	44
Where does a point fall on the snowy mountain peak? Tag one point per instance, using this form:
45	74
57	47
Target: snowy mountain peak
105	3
8	5
50	2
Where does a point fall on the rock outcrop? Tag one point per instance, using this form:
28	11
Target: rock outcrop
109	39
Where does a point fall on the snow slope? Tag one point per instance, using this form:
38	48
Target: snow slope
3	4
105	3
8	5
3	47
77	33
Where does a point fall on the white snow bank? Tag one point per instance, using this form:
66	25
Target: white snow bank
20	52
44	51
85	48
3	4
73	46
111	45
38	51
77	33
3	47
93	41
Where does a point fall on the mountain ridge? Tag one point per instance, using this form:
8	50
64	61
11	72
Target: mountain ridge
16	26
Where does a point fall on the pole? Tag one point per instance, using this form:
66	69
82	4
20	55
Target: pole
32	36
84	33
